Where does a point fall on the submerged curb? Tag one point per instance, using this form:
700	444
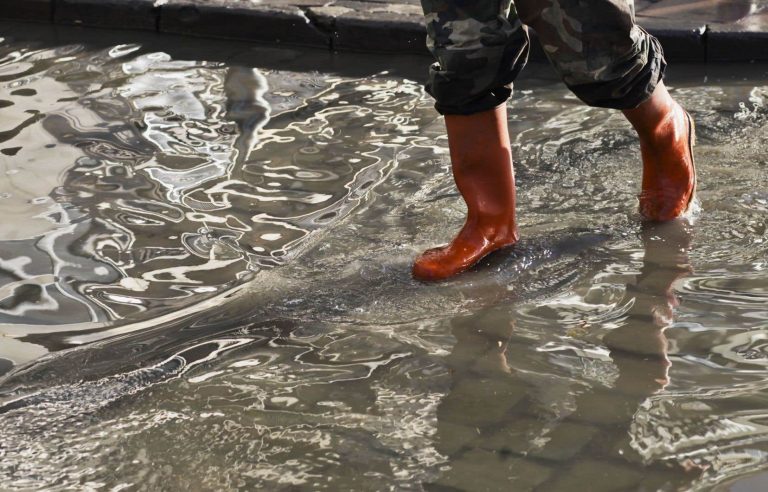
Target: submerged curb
350	25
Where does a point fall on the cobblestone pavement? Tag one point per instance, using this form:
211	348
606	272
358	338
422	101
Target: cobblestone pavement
690	30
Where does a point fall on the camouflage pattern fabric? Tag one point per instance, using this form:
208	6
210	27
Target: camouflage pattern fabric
482	45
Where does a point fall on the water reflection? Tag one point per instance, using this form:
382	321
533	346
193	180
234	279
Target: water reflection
334	364
139	184
504	423
106	255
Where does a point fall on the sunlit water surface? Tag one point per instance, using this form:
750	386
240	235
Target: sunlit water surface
204	283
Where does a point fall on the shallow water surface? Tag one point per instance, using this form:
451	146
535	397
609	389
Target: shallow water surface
204	282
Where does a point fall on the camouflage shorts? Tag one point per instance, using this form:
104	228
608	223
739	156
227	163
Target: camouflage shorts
595	45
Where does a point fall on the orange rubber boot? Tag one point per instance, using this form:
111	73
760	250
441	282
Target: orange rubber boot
482	168
667	136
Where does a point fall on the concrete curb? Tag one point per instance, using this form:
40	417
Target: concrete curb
264	23
371	26
736	42
682	41
349	25
134	14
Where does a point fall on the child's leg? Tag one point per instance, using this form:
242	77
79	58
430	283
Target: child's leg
609	61
480	47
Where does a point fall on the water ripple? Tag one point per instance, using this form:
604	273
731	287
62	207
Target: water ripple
205	283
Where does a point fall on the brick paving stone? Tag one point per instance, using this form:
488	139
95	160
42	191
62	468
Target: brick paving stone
122	14
477	403
561	442
605	407
595	476
452	437
484	471
659	477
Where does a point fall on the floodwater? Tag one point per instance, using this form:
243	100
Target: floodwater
204	281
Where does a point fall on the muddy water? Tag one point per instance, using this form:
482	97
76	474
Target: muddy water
204	267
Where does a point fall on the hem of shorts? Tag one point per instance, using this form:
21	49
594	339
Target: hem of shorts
487	104
635	97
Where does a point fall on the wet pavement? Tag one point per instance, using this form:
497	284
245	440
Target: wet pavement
204	281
